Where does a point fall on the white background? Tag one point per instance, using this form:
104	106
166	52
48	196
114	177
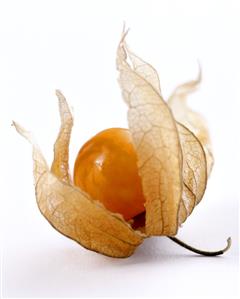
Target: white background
71	45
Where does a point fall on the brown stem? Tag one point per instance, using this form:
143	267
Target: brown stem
202	252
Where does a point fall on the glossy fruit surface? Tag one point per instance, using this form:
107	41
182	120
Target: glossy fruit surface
106	168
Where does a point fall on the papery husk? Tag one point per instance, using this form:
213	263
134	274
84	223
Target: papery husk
155	136
171	163
60	166
142	68
192	119
194	172
171	159
71	211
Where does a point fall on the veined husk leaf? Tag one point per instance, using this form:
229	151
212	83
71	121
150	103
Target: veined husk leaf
149	120
194	172
70	210
157	144
144	69
191	119
177	102
60	165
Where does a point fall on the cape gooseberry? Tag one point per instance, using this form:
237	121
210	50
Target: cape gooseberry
106	168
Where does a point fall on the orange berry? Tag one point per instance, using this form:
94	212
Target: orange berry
106	168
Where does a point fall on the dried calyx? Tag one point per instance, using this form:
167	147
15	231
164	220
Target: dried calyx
174	162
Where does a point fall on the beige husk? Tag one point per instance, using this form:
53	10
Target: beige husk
191	119
171	163
194	172
156	140
71	211
171	159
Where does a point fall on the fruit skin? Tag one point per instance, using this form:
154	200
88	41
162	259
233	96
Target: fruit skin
106	168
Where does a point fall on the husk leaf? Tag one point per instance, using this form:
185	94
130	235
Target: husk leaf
60	165
194	172
191	119
144	69
194	166
156	140
71	211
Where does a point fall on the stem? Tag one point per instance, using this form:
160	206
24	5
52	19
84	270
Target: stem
202	252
